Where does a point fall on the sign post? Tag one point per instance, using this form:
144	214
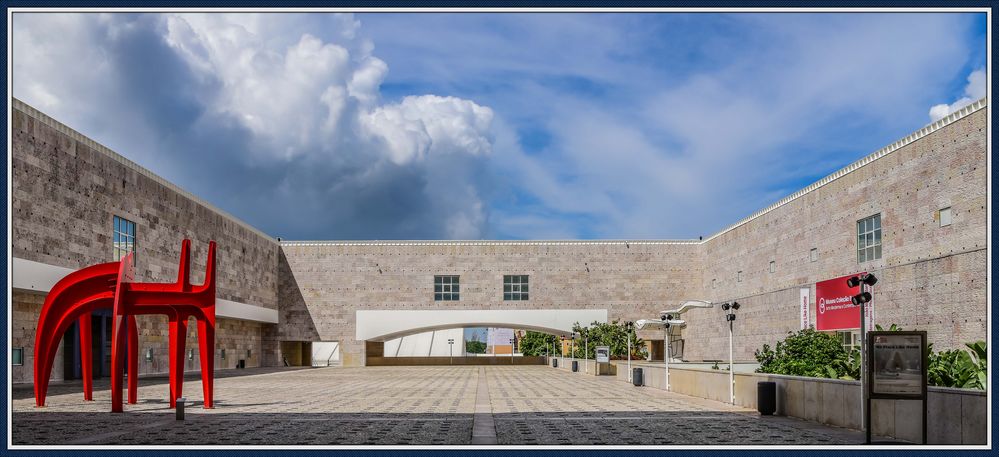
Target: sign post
897	370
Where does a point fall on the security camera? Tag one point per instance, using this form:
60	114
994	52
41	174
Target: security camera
735	305
726	306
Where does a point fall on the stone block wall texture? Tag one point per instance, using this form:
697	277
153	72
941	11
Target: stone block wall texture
322	285
66	190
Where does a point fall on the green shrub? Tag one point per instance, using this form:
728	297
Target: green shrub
820	355
966	369
805	353
611	334
537	343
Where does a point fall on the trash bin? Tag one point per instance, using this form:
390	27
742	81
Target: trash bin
554	363
241	364
575	366
636	377
766	397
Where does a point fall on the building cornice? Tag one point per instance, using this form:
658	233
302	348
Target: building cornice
100	148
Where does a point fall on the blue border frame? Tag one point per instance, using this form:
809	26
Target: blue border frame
484	3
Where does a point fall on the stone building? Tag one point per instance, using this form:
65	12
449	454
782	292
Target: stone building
75	203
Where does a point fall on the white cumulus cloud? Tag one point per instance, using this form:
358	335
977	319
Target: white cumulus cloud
291	101
973	91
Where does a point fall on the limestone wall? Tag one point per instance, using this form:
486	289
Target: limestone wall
66	190
323	284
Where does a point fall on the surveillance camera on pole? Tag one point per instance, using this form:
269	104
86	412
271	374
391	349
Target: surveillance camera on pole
861	300
730	309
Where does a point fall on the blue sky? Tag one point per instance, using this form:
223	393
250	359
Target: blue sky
496	126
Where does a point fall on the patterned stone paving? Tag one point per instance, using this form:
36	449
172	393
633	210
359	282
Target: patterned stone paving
402	405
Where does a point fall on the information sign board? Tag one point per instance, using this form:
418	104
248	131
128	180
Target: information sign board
603	354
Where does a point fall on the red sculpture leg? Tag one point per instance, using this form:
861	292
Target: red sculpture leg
79	292
178	336
206	345
133	361
118	326
86	357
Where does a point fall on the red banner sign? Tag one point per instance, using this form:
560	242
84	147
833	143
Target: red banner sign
834	308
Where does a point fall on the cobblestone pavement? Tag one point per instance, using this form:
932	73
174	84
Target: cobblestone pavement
402	405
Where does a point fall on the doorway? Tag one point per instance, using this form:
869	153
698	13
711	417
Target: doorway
100	332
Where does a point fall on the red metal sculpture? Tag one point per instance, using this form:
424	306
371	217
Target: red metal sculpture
110	285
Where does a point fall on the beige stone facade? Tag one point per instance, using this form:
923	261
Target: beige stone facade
66	189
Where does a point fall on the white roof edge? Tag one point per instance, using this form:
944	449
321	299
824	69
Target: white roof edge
66	130
908	139
484	242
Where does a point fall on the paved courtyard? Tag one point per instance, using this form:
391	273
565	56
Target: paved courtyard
405	405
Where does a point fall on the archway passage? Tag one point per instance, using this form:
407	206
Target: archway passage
375	327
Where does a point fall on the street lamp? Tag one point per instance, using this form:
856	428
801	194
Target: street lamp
450	344
511	351
630	326
730	310
586	349
861	300
665	317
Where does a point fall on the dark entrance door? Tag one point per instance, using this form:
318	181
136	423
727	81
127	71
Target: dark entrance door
100	331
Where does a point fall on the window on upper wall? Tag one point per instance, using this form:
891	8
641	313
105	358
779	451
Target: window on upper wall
445	288
515	287
813	255
738	276
773	266
945	217
17	356
124	238
869	239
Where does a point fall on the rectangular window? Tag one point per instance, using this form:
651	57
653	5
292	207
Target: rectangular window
773	266
850	340
945	217
515	287
17	356
869	239
124	238
813	255
446	288
738	276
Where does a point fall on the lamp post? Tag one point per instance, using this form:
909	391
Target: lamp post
861	300
450	344
730	310
511	351
586	351
630	326
666	318
572	347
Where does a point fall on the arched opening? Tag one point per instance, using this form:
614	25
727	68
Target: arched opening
384	332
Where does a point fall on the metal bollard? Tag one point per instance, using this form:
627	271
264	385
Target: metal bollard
180	408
